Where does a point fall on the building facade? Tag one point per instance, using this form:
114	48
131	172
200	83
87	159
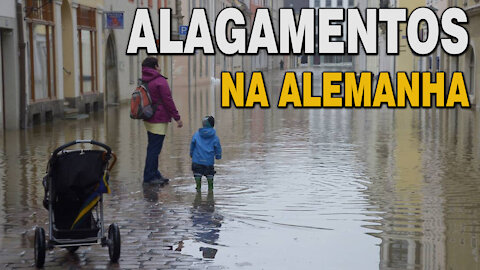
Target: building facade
122	71
470	61
10	96
407	61
293	61
382	62
68	63
466	62
64	58
331	60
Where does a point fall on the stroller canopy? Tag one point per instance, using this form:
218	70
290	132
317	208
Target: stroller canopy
78	178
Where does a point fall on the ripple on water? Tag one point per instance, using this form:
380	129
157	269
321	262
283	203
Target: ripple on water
295	188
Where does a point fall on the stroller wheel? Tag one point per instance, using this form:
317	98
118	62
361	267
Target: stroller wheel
40	247
114	242
72	249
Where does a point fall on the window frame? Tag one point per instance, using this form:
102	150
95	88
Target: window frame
41	12
87	21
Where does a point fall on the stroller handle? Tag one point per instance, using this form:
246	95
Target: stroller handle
104	146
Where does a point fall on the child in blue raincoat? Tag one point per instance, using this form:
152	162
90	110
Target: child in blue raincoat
204	149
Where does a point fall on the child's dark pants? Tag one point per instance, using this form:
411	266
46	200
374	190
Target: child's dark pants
201	170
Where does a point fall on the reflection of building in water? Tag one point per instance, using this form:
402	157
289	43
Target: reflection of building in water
400	254
461	183
406	192
206	222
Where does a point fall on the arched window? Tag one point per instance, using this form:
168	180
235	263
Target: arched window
470	70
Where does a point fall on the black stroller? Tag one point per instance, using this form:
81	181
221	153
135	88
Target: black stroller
74	185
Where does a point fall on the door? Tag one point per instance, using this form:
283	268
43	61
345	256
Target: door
111	73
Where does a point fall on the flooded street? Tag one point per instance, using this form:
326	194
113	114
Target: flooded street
296	189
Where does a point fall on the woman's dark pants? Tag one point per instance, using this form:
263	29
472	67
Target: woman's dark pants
155	143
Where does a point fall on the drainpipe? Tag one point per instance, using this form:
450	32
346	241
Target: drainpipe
189	75
139	66
21	69
214	57
395	57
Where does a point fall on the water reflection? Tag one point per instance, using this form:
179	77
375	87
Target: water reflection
431	184
204	217
206	222
150	192
330	189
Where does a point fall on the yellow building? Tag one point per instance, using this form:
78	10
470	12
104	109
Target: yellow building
406	60
64	57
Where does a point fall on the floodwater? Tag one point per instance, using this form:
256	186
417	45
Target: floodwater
296	189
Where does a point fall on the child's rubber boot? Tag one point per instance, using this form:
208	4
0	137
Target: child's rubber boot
210	183
199	184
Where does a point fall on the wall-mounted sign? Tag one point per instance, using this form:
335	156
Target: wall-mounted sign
114	20
183	30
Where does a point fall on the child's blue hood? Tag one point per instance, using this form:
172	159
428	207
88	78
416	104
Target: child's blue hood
207	132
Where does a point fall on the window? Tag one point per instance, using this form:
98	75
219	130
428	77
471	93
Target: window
454	64
41	31
201	65
328	3
351	3
317	3
339	3
206	66
472	72
194	66
87	41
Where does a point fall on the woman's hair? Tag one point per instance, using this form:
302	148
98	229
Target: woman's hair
150	62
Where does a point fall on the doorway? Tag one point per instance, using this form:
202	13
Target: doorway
111	73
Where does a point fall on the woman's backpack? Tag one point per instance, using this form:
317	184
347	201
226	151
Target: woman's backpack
141	106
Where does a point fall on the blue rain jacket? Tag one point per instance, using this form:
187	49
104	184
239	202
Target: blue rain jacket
205	147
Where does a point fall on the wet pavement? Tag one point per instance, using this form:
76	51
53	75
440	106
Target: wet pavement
296	189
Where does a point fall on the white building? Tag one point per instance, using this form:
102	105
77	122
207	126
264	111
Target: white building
380	62
331	60
122	71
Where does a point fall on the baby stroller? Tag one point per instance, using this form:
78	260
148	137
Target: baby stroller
74	185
